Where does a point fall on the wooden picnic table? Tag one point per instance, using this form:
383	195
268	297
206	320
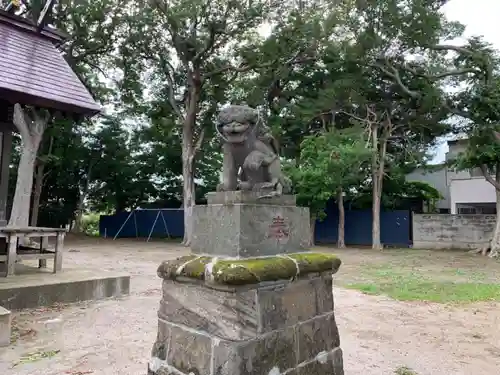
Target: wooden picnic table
12	234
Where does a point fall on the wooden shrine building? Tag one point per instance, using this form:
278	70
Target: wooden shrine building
33	72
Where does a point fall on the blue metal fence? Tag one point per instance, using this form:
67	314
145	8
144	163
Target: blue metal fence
395	226
143	223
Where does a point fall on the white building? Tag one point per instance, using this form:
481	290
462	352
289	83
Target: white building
464	192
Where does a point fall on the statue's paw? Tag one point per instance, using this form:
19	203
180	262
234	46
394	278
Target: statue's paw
244	185
220	187
267	185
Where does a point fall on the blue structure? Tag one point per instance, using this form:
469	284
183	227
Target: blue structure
395	226
159	223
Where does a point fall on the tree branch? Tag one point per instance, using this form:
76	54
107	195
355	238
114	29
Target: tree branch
208	45
199	142
246	68
449	47
168	70
393	73
487	176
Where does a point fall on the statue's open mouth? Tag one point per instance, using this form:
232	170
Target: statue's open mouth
235	137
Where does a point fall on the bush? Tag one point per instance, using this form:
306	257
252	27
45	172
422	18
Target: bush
90	224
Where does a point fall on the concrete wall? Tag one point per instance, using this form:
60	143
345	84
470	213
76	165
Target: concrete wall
452	231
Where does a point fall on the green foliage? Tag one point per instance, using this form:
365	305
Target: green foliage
405	371
414	289
406	279
329	161
482	110
90	224
153	63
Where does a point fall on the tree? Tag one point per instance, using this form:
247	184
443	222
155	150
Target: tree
380	65
31	124
192	50
390	80
90	40
329	165
481	108
118	181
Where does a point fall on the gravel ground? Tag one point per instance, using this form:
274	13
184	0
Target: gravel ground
115	336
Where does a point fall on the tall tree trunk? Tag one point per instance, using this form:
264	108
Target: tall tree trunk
31	127
341	228
494	245
19	215
78	227
378	167
376	194
188	191
312	220
39	181
189	150
495	240
37	193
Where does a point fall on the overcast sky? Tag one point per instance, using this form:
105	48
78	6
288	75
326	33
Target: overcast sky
481	17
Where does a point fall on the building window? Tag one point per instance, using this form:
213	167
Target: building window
466	210
477	209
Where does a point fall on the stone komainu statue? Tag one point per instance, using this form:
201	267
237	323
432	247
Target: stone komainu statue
251	160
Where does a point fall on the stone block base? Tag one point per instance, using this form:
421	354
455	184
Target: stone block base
308	348
5	327
273	328
32	289
246	230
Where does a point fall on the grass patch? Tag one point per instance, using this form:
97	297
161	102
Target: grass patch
413	285
405	371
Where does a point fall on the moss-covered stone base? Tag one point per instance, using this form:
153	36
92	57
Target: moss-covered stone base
248	271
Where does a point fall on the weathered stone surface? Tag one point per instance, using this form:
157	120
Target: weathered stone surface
162	338
316	335
232	316
286	305
279	328
249	197
452	231
275	350
291	303
249	230
250	153
5	327
70	286
186	350
244	313
323	287
325	363
248	271
251	300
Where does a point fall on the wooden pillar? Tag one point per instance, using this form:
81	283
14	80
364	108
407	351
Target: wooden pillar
5	151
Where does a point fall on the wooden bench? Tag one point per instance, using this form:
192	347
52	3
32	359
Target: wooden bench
12	235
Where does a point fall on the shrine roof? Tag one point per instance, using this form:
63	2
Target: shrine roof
34	72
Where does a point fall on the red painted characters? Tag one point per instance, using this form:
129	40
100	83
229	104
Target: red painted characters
278	228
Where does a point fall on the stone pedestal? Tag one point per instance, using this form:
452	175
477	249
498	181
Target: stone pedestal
225	312
239	224
5	327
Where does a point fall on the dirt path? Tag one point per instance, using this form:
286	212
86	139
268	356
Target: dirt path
115	336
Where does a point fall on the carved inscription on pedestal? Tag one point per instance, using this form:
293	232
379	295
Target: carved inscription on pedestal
279	229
